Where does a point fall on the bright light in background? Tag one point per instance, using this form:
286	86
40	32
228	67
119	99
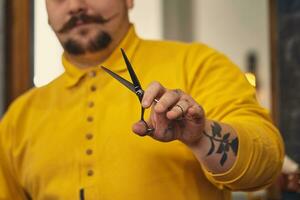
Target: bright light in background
251	78
146	15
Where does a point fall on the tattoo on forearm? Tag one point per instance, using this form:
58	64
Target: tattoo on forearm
224	144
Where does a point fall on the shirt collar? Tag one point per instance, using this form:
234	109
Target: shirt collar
115	62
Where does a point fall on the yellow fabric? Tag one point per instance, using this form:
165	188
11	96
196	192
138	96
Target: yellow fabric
46	134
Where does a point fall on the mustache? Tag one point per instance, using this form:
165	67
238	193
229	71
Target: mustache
99	19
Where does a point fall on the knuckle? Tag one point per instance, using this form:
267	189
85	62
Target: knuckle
185	102
171	93
178	91
155	84
187	97
174	94
200	109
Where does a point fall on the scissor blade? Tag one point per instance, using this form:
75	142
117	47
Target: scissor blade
120	79
133	76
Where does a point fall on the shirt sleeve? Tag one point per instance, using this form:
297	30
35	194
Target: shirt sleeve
10	189
226	96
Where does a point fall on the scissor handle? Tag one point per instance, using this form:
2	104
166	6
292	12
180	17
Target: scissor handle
140	94
148	129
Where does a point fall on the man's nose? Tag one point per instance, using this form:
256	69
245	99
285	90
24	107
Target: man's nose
77	6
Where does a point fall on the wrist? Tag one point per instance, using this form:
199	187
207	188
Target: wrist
197	141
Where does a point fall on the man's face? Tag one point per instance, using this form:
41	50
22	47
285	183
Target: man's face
87	26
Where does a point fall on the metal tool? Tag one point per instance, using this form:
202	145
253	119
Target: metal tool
135	86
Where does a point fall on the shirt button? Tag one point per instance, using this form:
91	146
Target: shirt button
90	119
92	74
90	172
93	88
89	136
89	152
91	104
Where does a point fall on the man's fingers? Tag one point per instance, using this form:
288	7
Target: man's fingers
179	110
140	128
196	114
167	100
154	90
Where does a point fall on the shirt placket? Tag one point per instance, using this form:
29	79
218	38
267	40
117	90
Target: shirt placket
88	169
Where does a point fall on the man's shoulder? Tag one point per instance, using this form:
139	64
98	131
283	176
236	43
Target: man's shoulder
176	46
35	96
180	54
18	104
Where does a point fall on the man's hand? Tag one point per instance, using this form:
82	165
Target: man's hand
176	116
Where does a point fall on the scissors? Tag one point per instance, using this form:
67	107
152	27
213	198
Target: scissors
135	86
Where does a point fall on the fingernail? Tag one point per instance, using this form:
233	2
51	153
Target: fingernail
145	103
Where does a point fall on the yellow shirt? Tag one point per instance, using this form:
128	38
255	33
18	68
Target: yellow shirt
75	133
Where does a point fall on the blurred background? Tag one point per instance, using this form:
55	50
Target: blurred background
260	36
238	28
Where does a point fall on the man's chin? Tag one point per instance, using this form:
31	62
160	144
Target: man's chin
82	45
73	47
79	42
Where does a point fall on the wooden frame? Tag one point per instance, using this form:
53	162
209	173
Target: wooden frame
2	50
274	60
18	47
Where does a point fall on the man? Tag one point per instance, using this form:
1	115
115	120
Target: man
71	139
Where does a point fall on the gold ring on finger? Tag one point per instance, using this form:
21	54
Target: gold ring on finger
182	111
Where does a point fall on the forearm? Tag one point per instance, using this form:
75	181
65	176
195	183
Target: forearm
259	158
216	150
244	152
